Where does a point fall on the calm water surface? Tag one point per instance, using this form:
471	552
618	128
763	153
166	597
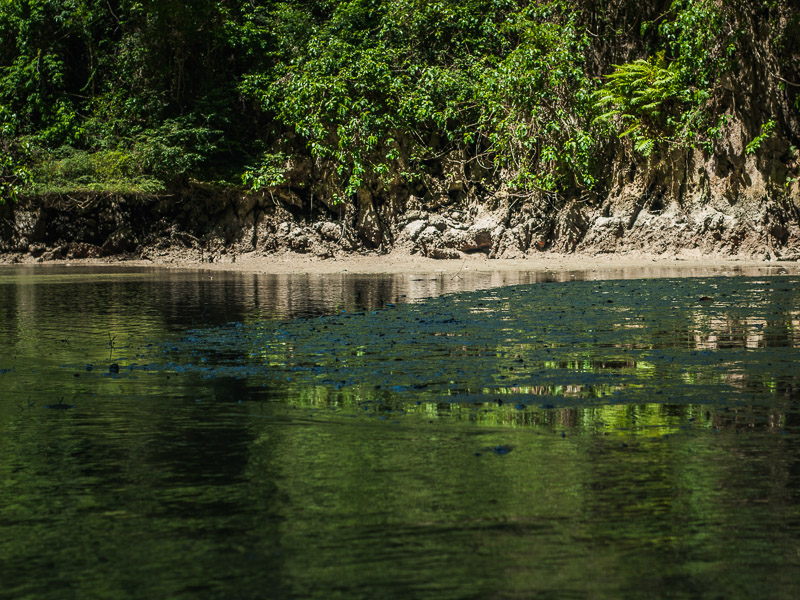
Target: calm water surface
576	435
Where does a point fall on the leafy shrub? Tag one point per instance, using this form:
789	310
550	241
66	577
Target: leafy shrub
766	131
379	81
380	93
68	169
14	174
643	97
269	171
170	151
536	113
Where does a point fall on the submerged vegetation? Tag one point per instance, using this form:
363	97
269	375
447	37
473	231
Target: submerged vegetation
333	98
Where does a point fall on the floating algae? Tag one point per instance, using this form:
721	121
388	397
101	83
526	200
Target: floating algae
548	344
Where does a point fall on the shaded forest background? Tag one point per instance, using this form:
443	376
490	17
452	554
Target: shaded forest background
361	110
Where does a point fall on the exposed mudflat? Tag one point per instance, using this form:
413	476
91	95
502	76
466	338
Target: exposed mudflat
613	265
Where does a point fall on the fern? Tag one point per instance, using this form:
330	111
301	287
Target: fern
645	146
639	90
656	102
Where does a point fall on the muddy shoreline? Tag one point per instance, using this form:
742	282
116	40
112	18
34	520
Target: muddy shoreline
244	232
398	262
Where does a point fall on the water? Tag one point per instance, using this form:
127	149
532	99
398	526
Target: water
204	435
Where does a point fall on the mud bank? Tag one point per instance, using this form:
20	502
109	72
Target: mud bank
212	226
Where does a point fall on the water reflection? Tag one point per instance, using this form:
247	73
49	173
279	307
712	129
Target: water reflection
534	441
632	340
190	298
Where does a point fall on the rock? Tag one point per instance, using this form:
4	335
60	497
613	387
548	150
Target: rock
21	245
121	241
611	225
413	229
299	242
509	244
413	214
440	223
429	235
54	254
477	240
473	240
329	231
82	250
322	251
444	254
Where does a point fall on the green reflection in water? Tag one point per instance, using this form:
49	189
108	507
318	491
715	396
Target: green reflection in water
639	341
511	453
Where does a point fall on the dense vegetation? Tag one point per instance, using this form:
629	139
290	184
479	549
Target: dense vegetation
330	97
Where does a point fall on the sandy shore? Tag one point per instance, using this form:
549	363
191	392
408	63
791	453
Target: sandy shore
402	263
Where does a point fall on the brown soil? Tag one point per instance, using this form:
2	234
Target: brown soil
636	264
236	231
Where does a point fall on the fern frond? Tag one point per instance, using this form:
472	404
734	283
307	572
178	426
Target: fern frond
630	130
645	146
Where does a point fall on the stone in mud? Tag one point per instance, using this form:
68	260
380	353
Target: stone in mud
429	235
413	230
329	231
444	254
121	241
477	240
322	251
299	242
83	250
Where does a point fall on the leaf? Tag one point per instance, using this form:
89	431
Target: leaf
630	130
645	146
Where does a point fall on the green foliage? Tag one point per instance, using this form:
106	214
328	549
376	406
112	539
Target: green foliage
381	88
14	176
268	172
766	131
536	111
68	169
99	76
696	38
642	97
147	94
663	100
171	150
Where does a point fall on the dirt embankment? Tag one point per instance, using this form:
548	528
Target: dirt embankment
692	207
